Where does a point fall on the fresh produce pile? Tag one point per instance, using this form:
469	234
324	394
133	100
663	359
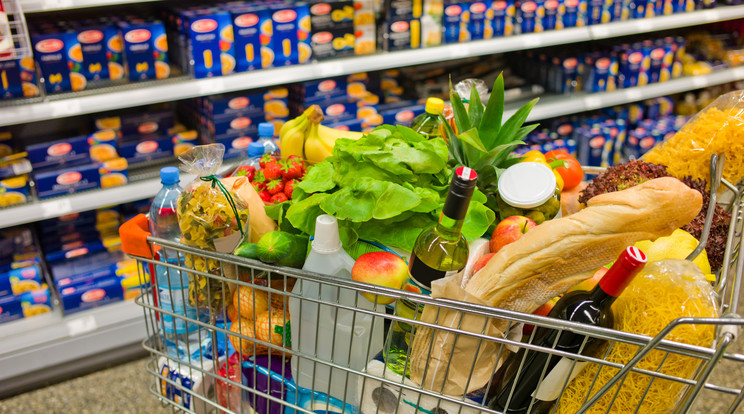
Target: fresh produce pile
276	179
384	187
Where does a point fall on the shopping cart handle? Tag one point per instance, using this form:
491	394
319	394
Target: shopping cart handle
134	234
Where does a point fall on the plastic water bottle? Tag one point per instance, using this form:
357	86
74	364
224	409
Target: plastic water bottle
255	151
351	341
266	137
183	340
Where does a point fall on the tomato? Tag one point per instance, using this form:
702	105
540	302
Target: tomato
572	172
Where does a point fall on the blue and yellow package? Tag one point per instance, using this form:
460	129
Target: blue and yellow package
68	181
572	13
247	33
284	33
634	64
146	50
530	15
14	190
552	19
93	44
452	24
211	38
504	14
18	78
55	58
479	17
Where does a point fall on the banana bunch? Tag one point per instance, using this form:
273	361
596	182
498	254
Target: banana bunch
305	137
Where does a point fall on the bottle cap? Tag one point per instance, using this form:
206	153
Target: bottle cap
255	149
326	234
527	185
265	129
169	175
434	106
460	192
630	262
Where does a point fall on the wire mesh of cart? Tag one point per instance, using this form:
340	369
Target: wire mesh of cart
277	340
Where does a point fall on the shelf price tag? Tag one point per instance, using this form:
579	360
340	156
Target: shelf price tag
592	102
82	325
56	208
599	32
644	25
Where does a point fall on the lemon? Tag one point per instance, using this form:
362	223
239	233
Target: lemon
676	246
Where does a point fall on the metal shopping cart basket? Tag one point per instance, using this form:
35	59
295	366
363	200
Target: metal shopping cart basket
197	372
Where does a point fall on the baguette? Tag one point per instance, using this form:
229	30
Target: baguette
559	253
260	223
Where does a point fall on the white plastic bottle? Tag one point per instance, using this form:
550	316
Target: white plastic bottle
357	337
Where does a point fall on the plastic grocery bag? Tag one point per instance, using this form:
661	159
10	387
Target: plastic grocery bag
211	218
717	129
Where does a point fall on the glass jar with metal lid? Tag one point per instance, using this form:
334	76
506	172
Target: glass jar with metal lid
529	189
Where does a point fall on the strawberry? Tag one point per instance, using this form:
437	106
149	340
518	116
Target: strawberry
272	171
259	177
289	187
275	187
279	198
292	169
265	196
246	171
265	160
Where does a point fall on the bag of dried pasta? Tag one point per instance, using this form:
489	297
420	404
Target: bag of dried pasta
212	218
717	129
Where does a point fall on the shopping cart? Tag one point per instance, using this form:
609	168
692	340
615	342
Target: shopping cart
258	377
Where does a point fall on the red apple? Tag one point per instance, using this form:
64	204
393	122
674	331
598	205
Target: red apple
510	230
480	263
381	269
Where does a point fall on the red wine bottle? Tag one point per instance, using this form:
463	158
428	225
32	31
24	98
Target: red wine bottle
520	391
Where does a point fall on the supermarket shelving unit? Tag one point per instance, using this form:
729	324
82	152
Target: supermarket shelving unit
41	347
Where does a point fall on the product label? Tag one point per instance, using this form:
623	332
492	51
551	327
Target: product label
422	275
552	385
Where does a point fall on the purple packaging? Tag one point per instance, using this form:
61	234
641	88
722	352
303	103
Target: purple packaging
71	180
76	298
136	149
504	15
256	380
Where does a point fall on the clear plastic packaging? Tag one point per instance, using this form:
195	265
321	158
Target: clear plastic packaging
717	129
211	217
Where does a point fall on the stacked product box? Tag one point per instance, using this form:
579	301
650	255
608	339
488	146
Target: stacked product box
145	135
604	69
23	288
19	78
342	98
76	55
83	252
365	29
232	119
399	25
14	170
332	28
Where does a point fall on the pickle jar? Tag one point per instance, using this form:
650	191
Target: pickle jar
529	189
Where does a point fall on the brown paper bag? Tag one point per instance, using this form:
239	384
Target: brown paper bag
452	363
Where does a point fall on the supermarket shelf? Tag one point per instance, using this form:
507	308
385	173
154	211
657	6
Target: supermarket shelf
32	6
72	104
47	341
558	105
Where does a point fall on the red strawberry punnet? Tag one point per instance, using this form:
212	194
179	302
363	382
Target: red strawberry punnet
275	187
289	187
279	198
272	171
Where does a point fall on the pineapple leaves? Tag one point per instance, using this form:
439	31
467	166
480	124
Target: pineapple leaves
462	119
472	146
453	142
475	109
513	124
490	123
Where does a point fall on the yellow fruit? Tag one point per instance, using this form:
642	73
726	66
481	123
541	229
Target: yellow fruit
676	246
292	142
316	148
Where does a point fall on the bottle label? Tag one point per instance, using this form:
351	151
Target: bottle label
552	385
422	274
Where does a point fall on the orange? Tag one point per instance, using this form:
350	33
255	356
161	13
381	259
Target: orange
76	53
161	43
30	90
270	326
247	347
116	45
228	63
116	71
78	81
162	70
249	302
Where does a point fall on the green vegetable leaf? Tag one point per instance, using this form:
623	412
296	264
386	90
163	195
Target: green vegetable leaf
302	214
477	221
493	155
410	135
453	142
319	178
490	124
430	200
396	234
346	204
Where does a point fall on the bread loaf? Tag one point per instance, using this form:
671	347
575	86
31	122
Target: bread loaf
260	223
559	253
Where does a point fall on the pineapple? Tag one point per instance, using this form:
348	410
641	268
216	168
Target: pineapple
482	142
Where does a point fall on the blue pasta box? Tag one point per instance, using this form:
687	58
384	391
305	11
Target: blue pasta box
21	280
212	49
552	19
572	13
84	264
276	103
530	15
284	36
453	24
595	12
241	104
402	116
634	64
14	190
340	110
479	17
615	11
60	60
641	9
232	125
116	269
571	75
10	308
102	145
402	34
591	144
184	141
146	122
146	50
348	125
93	44
71	180
247	32
663	7
601	76
114	172
235	145
504	14
683	6
76	298
321	90
60	153
25	305
136	150
75	249
18	78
